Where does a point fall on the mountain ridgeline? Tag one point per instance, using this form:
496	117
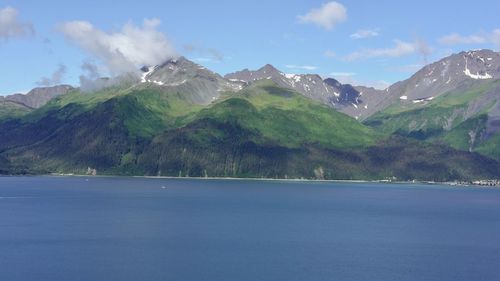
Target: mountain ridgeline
20	104
455	101
181	119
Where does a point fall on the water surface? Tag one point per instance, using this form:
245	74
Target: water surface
76	228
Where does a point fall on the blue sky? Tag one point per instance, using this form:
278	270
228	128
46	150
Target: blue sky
364	42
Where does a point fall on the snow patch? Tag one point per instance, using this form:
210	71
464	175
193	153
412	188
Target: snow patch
146	73
237	80
306	87
403	97
422	100
477	75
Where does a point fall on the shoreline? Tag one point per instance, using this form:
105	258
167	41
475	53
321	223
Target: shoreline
451	184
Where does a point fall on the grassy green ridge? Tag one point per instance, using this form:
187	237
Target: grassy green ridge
448	100
147	112
263	131
442	111
9	110
426	121
290	119
79	101
441	119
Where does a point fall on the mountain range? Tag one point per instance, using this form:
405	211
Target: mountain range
182	119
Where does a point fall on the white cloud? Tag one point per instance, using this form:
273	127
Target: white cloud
365	33
11	27
330	54
301	67
123	51
400	48
329	15
492	37
91	80
55	79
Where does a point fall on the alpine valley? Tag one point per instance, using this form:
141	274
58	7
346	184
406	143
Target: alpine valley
181	119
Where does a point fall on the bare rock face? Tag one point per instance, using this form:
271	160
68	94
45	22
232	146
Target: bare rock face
343	97
38	96
457	72
309	85
202	86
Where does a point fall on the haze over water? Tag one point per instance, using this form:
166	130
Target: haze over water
56	228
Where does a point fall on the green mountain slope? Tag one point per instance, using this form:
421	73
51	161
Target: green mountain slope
262	131
10	109
289	119
459	118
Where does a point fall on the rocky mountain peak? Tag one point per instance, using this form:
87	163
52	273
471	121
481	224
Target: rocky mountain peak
332	82
200	85
455	73
269	69
458	71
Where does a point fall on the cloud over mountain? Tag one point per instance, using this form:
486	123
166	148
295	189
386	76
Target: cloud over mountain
55	78
123	51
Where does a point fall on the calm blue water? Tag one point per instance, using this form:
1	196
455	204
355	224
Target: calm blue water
124	229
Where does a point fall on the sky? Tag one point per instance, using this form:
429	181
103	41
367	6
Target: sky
374	43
